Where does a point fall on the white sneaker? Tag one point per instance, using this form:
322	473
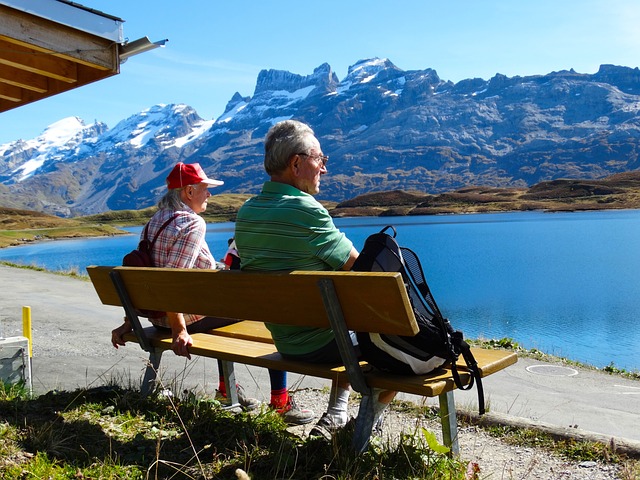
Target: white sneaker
328	424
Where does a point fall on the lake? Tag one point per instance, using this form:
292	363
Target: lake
565	283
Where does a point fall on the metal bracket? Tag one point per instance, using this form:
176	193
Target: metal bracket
230	383
151	373
343	338
130	311
364	421
449	421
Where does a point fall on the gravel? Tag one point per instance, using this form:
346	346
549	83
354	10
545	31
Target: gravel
496	459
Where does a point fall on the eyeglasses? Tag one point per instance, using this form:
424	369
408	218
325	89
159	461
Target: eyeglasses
323	158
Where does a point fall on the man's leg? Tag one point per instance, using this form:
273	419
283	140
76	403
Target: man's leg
336	415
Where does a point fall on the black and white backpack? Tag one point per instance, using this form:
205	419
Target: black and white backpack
437	343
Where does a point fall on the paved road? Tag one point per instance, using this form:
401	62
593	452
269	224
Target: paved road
71	349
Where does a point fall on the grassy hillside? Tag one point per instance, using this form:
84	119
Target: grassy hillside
23	226
621	191
221	208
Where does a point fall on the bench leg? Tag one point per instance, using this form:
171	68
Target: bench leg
364	424
150	374
449	421
230	383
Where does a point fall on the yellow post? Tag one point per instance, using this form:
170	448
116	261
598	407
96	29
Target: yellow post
26	327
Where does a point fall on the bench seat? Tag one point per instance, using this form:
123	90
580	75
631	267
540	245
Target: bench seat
250	343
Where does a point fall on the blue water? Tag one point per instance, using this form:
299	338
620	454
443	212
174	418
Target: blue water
567	283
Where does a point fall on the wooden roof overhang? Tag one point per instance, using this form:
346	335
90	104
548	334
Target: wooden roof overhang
41	56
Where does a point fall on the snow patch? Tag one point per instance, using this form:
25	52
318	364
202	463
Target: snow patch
289	98
198	130
358	130
343	87
275	120
227	117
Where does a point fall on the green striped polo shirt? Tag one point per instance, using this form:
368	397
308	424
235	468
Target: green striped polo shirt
284	228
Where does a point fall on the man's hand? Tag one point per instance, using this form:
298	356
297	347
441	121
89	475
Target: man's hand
181	343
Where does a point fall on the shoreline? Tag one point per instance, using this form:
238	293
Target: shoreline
620	191
117	231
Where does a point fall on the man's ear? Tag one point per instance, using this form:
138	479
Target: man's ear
294	165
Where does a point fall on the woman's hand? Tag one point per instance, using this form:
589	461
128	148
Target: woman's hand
181	343
117	334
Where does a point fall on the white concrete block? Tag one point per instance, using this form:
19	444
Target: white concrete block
15	366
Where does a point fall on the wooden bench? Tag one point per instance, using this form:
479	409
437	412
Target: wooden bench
343	301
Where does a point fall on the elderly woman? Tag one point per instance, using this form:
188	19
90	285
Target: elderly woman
181	243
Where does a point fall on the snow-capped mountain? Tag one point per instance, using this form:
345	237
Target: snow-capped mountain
60	141
384	128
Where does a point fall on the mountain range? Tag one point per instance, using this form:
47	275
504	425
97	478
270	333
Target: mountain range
384	129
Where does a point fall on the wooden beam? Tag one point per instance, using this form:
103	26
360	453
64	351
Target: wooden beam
24	79
42	63
11	93
89	74
64	42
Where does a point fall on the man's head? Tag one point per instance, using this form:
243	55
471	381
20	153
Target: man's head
292	155
191	184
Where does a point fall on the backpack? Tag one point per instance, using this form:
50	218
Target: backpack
141	257
436	343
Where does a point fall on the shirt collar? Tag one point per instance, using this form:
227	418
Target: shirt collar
283	189
187	208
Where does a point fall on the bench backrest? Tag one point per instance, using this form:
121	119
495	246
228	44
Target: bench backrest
370	301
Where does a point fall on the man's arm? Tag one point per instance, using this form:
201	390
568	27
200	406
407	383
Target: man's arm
353	254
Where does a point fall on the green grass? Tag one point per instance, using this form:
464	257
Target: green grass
73	272
571	449
19	237
114	432
509	344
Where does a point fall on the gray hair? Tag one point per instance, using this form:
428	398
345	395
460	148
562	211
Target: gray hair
284	140
172	200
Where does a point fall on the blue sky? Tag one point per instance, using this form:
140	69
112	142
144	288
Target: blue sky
216	48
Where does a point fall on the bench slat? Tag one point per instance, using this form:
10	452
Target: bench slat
233	294
262	354
247	330
489	362
238	350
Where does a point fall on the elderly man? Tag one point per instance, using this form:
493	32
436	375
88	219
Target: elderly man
285	228
181	244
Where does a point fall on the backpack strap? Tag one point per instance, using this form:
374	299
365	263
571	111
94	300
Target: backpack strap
153	242
457	344
164	225
472	365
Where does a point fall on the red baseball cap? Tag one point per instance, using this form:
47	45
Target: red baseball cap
184	174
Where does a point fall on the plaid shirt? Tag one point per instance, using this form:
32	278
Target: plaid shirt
181	244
